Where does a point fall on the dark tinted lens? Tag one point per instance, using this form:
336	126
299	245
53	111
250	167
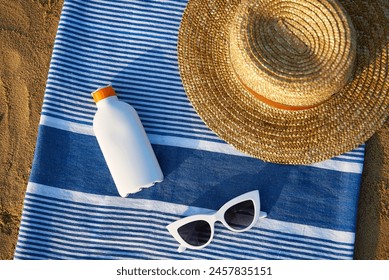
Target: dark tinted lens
196	233
241	215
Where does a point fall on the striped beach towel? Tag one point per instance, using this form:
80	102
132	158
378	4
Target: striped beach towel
72	209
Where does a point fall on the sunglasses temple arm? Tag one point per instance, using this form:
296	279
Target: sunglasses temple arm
181	249
262	214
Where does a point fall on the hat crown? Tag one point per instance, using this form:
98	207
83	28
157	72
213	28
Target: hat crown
287	33
294	54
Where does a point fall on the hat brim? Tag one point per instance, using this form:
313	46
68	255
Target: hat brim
336	126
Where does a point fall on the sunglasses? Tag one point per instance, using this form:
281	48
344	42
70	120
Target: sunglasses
238	215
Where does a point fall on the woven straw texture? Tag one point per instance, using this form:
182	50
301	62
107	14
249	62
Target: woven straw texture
292	82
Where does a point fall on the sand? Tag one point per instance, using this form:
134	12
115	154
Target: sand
27	32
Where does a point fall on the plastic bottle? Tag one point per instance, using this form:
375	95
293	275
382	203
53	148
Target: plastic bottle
124	143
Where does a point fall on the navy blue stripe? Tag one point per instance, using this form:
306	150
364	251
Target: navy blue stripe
171	102
78	17
126	10
173	133
184	117
58	110
98	69
168	111
134	254
78	61
46	253
86	230
317	252
49	105
132	31
97	61
110	6
124	93
77	83
103	56
57	87
97	34
348	160
30	196
301	238
129	47
74	80
286	252
91	84
76	106
78	254
126	74
298	247
189	128
355	153
84	233
172	96
20	255
50	114
172	115
156	244
70	237
87	216
289	193
179	132
149	25
138	3
147	18
120	51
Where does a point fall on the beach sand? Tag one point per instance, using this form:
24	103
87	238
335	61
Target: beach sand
27	32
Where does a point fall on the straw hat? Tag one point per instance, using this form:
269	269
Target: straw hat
291	82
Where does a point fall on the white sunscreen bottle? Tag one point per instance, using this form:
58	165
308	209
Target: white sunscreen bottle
124	143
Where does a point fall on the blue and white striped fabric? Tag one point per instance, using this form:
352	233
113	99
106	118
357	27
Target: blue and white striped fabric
72	209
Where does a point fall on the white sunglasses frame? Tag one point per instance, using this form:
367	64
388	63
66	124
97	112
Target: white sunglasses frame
217	216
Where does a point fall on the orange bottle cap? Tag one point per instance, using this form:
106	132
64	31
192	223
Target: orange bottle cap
102	93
